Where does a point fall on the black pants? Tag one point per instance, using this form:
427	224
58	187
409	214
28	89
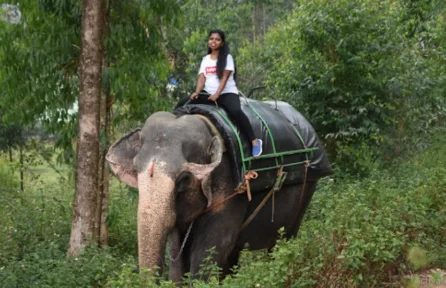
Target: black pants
231	103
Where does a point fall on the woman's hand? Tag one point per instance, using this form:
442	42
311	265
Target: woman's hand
194	96
214	97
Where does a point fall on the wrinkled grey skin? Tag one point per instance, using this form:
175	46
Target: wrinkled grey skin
190	173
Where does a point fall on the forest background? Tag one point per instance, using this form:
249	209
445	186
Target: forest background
368	75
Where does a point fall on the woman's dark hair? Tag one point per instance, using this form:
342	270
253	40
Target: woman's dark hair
222	54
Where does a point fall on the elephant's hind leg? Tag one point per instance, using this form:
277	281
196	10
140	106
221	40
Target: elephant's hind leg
292	229
286	212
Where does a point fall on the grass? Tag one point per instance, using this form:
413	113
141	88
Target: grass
40	167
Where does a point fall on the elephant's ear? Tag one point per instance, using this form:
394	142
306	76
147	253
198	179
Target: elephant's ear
203	172
216	153
120	157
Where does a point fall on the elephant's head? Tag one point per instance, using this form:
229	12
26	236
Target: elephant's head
165	159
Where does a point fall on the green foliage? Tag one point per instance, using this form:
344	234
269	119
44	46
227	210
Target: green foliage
359	159
417	257
33	220
349	67
41	61
48	267
418	13
11	136
121	218
355	234
9	186
35	233
137	72
209	274
344	58
127	277
40	77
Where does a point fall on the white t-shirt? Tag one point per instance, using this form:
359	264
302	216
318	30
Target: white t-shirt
209	69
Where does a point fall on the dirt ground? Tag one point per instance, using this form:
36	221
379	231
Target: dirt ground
433	278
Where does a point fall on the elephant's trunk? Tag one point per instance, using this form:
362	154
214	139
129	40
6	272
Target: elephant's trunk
156	217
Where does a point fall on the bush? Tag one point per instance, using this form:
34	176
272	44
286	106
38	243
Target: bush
49	267
33	220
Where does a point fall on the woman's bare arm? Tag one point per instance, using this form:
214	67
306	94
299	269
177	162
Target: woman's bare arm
200	86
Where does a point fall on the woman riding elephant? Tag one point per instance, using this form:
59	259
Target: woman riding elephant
185	191
217	78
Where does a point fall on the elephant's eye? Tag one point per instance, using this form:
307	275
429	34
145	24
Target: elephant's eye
183	182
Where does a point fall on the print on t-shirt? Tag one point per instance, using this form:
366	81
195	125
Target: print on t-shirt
211	70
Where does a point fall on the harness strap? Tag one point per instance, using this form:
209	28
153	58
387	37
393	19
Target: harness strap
210	208
242	189
271	193
257	210
254	214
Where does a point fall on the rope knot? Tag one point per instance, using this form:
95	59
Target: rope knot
246	187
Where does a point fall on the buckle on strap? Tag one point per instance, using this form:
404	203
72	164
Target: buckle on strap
281	176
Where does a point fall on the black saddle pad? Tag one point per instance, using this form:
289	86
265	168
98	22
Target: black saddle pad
288	140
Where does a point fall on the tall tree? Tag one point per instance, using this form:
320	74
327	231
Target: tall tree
87	155
40	63
101	228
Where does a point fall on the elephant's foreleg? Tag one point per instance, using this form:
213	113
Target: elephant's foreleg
220	231
231	261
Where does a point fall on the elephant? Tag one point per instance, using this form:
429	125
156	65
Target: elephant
181	170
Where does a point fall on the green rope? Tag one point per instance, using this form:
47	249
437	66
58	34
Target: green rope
267	129
277	167
303	143
298	135
281	154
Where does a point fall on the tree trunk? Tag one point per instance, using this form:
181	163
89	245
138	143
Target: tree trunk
98	209
100	225
87	150
10	153
103	191
105	111
103	233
